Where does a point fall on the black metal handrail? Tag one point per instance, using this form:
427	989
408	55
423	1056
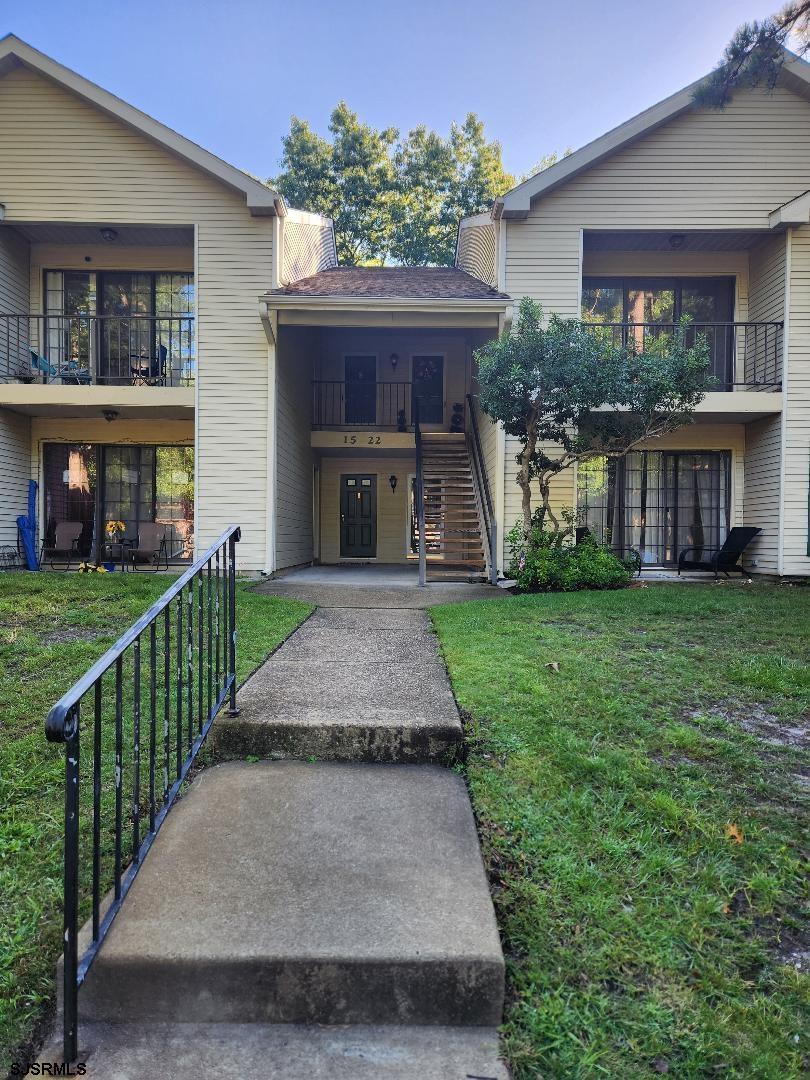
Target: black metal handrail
191	673
482	483
112	350
338	403
420	494
743	355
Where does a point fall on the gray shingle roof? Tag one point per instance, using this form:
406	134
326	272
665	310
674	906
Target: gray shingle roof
394	282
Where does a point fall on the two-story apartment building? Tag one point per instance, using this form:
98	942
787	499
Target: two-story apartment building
682	211
179	348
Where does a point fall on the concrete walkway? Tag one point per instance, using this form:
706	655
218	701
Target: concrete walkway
327	916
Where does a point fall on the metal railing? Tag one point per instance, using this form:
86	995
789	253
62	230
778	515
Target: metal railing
162	703
483	492
81	350
420	495
338	404
743	355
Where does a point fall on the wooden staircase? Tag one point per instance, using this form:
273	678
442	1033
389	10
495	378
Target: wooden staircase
453	535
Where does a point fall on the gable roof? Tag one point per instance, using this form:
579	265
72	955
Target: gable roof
261	200
516	203
393	283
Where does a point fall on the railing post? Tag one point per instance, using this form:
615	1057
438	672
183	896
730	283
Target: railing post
71	900
420	495
232	710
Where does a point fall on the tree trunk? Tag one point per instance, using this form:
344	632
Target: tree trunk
524	474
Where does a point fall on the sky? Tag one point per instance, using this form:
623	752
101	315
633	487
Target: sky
542	76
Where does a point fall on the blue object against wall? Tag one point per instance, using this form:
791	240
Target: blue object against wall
28	528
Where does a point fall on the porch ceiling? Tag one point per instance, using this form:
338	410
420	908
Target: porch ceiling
704	240
55	232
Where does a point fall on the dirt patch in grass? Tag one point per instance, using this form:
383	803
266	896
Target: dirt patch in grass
757	721
74	633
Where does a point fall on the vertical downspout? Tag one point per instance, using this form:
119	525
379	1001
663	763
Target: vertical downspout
780	555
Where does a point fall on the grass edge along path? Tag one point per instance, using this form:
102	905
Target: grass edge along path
642	817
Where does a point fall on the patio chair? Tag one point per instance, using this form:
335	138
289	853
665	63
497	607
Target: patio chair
151	549
149	370
726	558
66	545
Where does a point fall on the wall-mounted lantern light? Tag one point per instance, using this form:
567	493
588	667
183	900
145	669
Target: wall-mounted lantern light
392	480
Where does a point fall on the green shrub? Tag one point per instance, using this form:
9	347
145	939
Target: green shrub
549	562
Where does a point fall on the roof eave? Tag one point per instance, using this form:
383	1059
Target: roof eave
399	303
261	200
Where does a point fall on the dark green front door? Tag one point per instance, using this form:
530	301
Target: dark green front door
358	517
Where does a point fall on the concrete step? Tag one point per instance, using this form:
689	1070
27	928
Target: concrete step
285	1052
307	893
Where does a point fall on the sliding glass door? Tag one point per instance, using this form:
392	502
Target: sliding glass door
120	327
133	484
657	502
637	307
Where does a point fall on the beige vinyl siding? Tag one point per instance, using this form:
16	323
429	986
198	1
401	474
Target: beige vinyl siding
476	251
763	441
795	509
14	300
294	458
15	451
392	507
309	246
110	174
767	302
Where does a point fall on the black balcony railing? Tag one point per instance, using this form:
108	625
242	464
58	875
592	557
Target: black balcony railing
150	701
743	355
362	404
81	350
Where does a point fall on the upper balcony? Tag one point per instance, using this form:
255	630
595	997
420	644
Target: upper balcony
743	355
103	350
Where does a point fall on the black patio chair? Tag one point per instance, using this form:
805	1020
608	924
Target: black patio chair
723	559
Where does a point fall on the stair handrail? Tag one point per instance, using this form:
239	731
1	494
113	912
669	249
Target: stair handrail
420	494
482	483
178	698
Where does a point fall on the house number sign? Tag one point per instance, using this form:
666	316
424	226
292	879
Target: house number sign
363	438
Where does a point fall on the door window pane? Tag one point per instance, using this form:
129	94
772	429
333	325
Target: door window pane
70	490
174	327
602	303
174	499
651	304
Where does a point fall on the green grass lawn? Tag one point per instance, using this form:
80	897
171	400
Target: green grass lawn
52	627
642	819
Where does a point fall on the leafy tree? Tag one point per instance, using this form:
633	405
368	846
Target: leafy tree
392	198
569	393
755	54
350	179
545	162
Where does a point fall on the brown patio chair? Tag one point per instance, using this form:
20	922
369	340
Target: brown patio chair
65	547
151	549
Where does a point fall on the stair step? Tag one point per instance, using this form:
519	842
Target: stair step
313	893
285	1051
